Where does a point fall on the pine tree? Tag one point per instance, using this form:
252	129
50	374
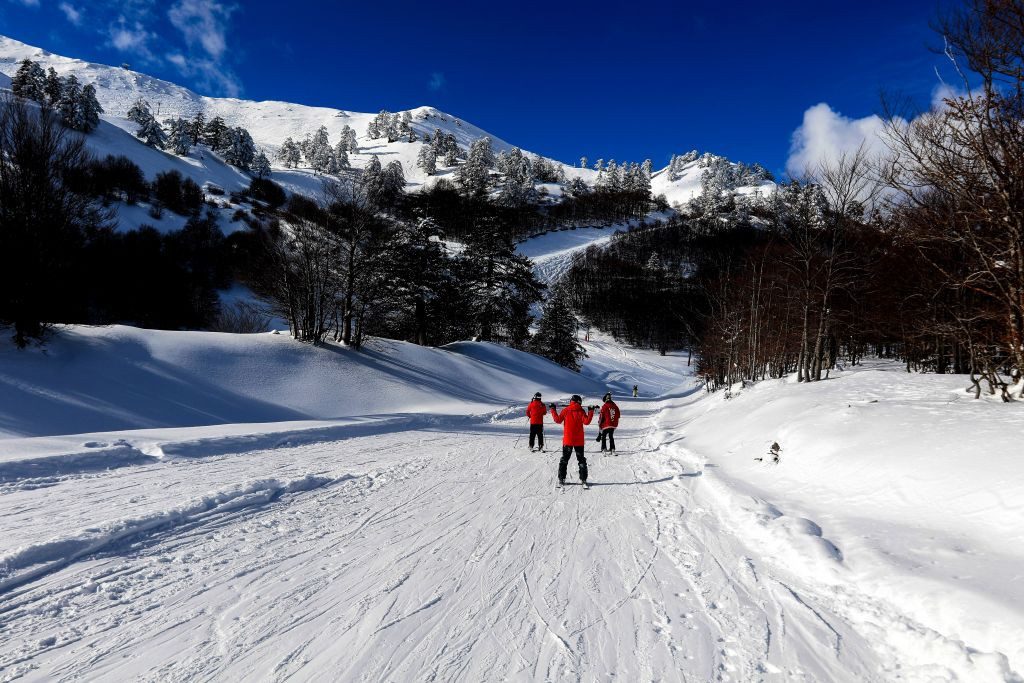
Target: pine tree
90	109
502	283
518	173
323	160
149	130
240	150
29	81
341	154
583	162
70	103
198	126
179	136
427	160
261	166
348	139
556	332
214	134
289	154
474	175
54	87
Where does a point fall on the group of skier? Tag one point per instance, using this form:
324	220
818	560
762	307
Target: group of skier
573	418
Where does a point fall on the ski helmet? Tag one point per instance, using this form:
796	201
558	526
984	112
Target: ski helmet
608	396
576	398
537	395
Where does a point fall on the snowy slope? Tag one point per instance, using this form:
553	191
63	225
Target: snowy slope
436	548
118	378
269	123
687	185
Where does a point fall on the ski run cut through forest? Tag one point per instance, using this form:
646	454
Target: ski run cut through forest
265	371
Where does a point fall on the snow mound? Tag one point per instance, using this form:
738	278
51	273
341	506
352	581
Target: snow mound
123	378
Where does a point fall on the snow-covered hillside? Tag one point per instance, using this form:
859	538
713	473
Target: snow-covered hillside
418	539
269	123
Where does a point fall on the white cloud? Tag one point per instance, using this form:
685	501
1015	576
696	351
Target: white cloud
436	81
28	3
203	23
71	13
825	135
131	37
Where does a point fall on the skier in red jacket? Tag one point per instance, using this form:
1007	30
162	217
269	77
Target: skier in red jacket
536	412
608	421
573	418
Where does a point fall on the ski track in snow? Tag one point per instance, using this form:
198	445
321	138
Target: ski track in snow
441	551
419	556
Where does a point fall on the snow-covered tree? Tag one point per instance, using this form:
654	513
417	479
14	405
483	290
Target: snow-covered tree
474	175
29	82
556	332
426	160
240	150
54	87
90	109
215	134
198	125
323	160
518	173
289	154
348	139
149	131
583	162
69	104
179	136
261	165
341	154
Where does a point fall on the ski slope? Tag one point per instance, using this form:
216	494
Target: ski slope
426	542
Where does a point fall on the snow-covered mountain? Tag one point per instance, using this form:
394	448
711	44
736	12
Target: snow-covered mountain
271	122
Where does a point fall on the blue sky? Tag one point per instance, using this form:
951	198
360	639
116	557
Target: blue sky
623	80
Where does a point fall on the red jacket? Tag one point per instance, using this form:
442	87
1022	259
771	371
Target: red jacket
609	415
535	411
574	419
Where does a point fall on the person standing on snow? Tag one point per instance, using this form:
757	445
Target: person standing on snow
573	419
636	391
536	411
607	422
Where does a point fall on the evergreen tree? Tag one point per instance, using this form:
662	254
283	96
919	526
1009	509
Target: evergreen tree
240	150
29	81
348	140
197	127
341	155
427	160
556	332
518	173
54	87
215	134
323	160
583	162
503	284
289	154
70	103
90	109
261	166
149	130
474	176
179	136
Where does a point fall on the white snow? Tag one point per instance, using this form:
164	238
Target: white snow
390	524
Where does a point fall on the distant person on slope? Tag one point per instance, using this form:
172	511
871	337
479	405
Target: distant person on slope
607	422
536	411
636	391
573	418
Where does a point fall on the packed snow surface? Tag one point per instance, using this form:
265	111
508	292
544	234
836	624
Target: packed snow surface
390	523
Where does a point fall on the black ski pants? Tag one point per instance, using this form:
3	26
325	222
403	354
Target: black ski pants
563	464
608	435
537	432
